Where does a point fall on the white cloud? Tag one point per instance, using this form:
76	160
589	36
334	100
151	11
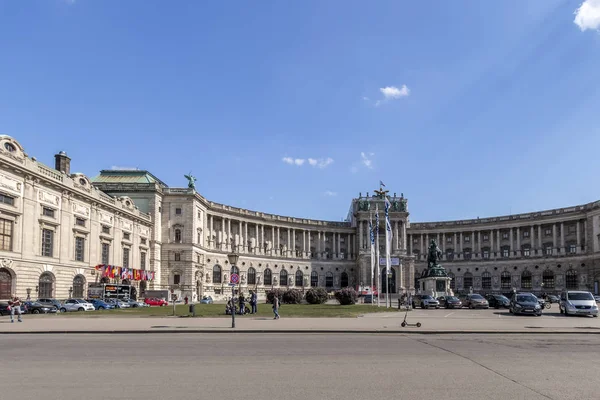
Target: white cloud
587	16
392	93
119	168
365	159
329	193
365	98
313	162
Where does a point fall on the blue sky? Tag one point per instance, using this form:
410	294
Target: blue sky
469	108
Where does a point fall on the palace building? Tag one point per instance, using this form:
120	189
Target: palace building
60	231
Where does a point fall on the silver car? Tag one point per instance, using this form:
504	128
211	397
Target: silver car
76	305
574	302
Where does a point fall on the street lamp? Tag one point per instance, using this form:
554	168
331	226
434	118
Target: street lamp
70	292
233	259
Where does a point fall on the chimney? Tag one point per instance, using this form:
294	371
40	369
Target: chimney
62	163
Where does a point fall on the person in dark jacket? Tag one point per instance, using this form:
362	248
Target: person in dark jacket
253	302
242	302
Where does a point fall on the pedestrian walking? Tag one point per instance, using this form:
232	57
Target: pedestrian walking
276	307
185	299
253	302
15	308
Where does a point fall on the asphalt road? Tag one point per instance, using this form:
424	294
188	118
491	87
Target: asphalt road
303	367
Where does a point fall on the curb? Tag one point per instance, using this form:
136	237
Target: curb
292	331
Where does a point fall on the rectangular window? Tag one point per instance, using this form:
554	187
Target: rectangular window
467	255
125	257
486	254
178	211
6	232
79	248
572	249
176	279
4	199
198	258
106	230
505	253
126	236
80	221
199	214
48	212
449	239
486	238
525	234
177	256
467	239
47	242
526	252
504	235
199	237
548	250
415	241
143	260
105	253
548	232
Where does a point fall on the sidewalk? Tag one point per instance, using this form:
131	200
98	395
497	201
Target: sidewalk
370	323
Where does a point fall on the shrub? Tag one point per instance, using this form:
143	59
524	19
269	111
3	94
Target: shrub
316	296
272	293
292	296
346	296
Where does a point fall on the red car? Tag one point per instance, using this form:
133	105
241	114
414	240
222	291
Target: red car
156	302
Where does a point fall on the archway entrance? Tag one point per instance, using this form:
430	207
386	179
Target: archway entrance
392	281
6	281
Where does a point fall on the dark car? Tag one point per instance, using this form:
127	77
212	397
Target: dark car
34	307
450	302
498	301
525	303
4	309
552	299
50	302
100	304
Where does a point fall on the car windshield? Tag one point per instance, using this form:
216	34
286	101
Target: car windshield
580	296
477	297
451	298
502	298
526	299
427	298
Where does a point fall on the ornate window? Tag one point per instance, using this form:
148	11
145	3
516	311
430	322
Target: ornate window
467	254
505	280
314	279
526	280
268	277
47	242
548	279
450	254
251	276
105	253
177	235
6	233
283	278
344	280
79	248
176	278
486	280
486	253
177	256
452	282
571	279
78	287
299	278
329	280
125	257
46	285
572	249
505	252
216	274
235	270
468	280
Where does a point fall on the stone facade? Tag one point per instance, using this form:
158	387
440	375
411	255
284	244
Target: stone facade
185	238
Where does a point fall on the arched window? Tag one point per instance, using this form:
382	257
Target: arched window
251	276
299	278
177	235
268	277
314	279
486	281
329	280
526	280
283	275
468	280
548	279
452	282
505	280
6	283
344	279
235	270
46	286
571	279
78	287
217	274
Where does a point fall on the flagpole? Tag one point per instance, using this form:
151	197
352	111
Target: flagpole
377	254
388	232
372	242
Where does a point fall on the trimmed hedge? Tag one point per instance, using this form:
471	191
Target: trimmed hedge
316	296
292	296
272	293
346	296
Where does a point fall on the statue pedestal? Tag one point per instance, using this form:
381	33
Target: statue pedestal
435	286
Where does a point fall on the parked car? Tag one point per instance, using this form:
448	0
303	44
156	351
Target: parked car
475	300
450	302
209	300
597	298
134	303
100	304
118	303
156	302
34	307
50	302
578	303
76	305
424	301
4	309
552	299
498	301
525	303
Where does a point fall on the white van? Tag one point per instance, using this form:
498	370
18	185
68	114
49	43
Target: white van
578	303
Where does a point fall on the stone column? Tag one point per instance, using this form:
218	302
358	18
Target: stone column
421	248
308	250
223	240
229	235
499	240
278	249
348	247
518	240
479	243
585	237
562	237
262	239
577	250
360	234
212	232
511	246
339	245
257	241
554	244
531	238
491	243
455	244
396	241
294	243
443	245
460	242
272	239
540	238
404	237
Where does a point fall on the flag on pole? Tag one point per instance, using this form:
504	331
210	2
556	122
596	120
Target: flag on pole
388	236
381	184
372	235
377	252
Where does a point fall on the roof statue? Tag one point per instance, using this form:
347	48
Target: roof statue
191	179
433	256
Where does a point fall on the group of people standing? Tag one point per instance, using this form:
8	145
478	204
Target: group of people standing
14	307
241	305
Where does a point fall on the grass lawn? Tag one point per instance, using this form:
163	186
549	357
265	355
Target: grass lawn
264	310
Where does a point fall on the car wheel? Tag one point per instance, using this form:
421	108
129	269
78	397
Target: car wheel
35	312
80	309
162	305
63	310
595	316
470	306
101	308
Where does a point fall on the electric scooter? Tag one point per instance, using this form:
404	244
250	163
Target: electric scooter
405	324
